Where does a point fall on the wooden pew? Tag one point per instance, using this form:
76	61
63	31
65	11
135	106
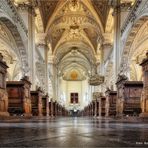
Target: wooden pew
91	108
144	98
50	112
128	96
103	102
110	107
45	103
93	105
19	97
36	100
97	107
54	108
3	92
51	108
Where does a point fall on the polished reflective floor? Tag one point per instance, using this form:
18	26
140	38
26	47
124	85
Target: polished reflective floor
72	132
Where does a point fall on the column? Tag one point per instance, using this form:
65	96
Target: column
46	69
31	45
144	99
28	14
47	105
51	74
117	36
95	108
43	50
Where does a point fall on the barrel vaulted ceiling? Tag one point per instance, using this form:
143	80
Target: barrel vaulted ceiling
74	26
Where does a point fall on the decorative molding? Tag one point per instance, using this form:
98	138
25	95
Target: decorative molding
16	17
96	80
132	15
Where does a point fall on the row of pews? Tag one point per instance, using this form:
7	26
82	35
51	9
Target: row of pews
131	98
17	99
125	101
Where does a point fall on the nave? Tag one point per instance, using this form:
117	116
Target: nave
73	73
72	132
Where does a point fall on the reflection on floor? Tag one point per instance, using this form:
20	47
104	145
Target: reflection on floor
72	132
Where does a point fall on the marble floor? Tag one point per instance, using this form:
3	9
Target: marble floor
72	132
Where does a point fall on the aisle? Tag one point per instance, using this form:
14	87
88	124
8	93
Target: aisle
72	132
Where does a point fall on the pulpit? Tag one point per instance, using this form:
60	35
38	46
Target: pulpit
144	97
36	100
110	107
45	105
3	92
19	97
128	96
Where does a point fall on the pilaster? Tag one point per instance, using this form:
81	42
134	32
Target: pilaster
117	36
28	13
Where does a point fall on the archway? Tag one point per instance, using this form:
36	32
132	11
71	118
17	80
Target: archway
14	49
10	52
135	49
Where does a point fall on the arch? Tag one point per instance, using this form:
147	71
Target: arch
63	3
135	45
18	42
66	47
10	52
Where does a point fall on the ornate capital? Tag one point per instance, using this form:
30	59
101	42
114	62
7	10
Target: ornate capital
27	7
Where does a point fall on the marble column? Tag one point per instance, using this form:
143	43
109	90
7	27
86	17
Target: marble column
28	14
43	50
51	69
95	108
46	69
144	99
107	104
117	37
31	46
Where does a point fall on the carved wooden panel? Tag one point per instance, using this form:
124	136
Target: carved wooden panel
3	92
19	97
146	78
112	103
36	101
2	79
13	92
45	105
103	102
144	65
130	95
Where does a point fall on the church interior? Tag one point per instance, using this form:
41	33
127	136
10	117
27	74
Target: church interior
68	63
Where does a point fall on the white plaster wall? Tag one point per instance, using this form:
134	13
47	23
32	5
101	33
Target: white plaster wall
80	87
